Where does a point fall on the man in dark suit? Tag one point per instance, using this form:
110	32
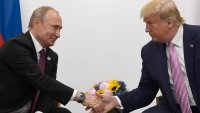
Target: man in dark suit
166	27
21	76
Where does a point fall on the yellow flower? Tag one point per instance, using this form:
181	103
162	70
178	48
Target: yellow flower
113	85
100	91
112	82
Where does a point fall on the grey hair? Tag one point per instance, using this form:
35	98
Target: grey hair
39	13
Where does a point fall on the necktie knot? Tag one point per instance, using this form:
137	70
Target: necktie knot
42	52
42	60
172	51
171	45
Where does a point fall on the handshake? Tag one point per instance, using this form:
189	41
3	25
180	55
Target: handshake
98	103
101	98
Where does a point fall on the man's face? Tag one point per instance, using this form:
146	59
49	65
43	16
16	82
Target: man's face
49	29
157	28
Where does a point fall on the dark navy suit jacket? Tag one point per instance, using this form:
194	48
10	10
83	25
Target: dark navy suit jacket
155	73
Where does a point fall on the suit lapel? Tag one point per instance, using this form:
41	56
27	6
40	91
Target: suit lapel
48	61
189	52
28	42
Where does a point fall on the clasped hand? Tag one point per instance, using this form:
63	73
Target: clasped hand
100	103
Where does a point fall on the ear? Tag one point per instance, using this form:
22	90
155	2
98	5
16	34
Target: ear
36	23
170	23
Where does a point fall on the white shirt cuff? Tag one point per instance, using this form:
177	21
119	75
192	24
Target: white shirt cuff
119	102
73	96
38	112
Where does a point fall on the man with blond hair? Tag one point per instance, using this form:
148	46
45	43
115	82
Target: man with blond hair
171	62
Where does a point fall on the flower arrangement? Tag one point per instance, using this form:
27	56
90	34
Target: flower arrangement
111	87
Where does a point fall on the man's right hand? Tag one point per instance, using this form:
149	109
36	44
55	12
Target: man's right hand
106	104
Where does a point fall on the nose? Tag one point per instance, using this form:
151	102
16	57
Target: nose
147	29
57	33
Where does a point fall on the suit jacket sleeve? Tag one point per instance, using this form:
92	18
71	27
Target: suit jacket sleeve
19	56
144	93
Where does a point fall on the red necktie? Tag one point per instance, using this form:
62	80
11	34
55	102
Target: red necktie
42	66
178	80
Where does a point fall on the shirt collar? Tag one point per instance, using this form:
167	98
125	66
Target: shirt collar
178	38
37	45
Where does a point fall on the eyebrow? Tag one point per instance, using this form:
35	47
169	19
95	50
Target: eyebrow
57	26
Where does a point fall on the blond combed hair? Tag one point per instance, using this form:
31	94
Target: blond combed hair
166	9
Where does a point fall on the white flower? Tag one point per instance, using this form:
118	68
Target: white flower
103	85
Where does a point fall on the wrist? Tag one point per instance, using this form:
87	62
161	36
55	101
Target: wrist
81	97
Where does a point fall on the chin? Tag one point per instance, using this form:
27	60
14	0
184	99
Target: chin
50	45
153	39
